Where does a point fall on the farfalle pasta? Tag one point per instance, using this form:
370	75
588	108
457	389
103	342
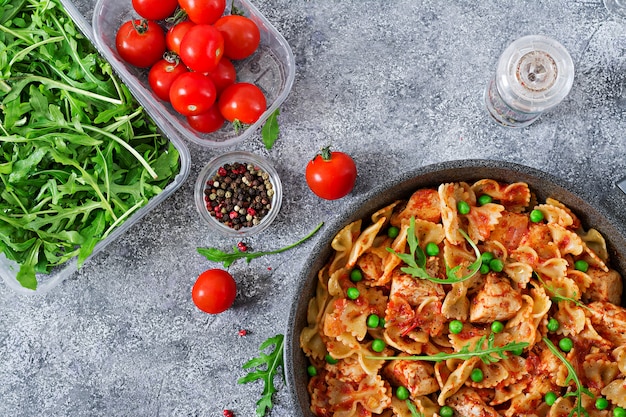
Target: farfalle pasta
467	300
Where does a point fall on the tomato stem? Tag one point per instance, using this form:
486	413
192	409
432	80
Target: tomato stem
325	153
141	27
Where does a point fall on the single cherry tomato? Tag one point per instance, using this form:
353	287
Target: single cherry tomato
207	122
203	11
331	175
175	34
223	75
162	75
202	48
140	42
214	291
241	36
244	102
192	93
155	9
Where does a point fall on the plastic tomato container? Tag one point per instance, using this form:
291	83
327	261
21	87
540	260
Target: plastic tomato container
46	282
271	68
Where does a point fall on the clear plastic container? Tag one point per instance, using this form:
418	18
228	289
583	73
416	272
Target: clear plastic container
210	170
534	74
46	282
271	68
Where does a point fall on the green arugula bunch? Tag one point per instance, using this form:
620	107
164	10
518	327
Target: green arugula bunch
78	156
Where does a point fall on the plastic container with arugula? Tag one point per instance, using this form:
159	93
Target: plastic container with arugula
80	159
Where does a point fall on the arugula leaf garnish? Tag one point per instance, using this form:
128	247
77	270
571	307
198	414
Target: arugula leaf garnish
227	259
416	260
490	354
556	296
413	410
267	367
578	409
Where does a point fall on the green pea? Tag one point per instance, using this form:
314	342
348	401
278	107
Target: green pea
356	275
462	207
484	269
455	326
486	257
619	412
378	345
311	370
484	199
536	216
432	249
330	359
393	232
553	325
446	411
566	344
581	265
602	403
477	375
518	351
381	323
373	320
352	293
497	326
496	265
402	393
550	398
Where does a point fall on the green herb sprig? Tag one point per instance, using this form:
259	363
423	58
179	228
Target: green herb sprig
578	409
227	259
267	367
416	260
413	410
556	296
490	354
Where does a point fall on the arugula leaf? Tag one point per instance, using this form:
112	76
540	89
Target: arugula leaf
578	408
556	296
413	410
227	259
416	260
266	366
489	354
78	155
271	130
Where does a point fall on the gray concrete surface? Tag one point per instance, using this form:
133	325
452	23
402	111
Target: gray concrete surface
394	83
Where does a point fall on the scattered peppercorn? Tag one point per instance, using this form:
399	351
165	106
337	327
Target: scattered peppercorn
239	195
228	413
243	332
242	246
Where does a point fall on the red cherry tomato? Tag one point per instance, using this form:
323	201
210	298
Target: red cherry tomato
162	75
202	48
331	175
155	9
140	42
223	75
192	93
175	34
207	122
203	11
241	36
244	102
214	291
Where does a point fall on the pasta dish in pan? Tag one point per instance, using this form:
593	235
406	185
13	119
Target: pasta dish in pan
467	300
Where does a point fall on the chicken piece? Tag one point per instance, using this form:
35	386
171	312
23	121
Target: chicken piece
467	402
605	286
424	204
417	377
609	320
497	300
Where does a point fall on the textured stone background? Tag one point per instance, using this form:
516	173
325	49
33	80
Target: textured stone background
396	84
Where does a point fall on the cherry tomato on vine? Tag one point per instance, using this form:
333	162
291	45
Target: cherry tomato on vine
331	175
214	291
241	36
207	122
203	11
202	48
223	75
192	93
244	102
155	9
140	42
175	34
162	75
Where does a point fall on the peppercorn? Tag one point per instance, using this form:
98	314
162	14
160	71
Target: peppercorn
239	195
